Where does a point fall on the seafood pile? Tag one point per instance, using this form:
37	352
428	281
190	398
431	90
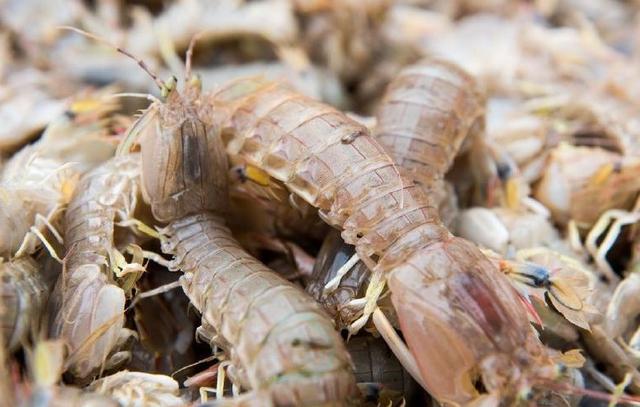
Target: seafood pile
319	203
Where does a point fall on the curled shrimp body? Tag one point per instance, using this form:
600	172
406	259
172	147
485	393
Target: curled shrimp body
23	295
577	175
139	389
460	316
89	303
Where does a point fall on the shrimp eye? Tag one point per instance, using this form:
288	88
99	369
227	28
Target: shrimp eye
526	394
168	86
240	173
504	171
561	369
540	282
196	81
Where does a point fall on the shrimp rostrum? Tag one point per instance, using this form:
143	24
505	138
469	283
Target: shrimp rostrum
283	347
89	298
462	319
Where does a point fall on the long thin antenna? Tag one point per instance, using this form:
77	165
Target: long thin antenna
140	62
189	55
598	395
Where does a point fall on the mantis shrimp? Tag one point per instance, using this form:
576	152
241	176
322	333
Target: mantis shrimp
427	113
281	341
445	291
89	301
282	345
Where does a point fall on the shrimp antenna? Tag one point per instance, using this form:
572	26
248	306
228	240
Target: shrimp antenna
123	51
595	394
189	55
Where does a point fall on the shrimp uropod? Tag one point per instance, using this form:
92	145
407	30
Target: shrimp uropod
461	318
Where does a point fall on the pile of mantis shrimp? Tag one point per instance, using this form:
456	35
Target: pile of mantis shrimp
319	203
